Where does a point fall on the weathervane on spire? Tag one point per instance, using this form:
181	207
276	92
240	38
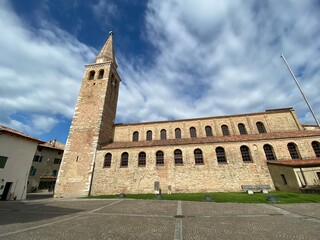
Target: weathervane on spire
111	33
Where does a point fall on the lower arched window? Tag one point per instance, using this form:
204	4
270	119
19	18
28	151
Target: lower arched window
124	159
107	160
268	151
198	157
293	150
245	153
316	148
159	158
178	157
142	159
221	155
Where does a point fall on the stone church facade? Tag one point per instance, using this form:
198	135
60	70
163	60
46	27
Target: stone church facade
213	154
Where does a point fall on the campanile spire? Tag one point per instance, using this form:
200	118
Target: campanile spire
107	52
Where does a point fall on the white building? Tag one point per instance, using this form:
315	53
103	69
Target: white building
16	153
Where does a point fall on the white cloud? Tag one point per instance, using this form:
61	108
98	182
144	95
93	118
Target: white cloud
105	10
39	71
223	57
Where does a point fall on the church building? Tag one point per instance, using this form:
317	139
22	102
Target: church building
212	154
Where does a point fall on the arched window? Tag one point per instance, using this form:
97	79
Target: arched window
91	75
135	136
198	158
208	130
242	129
177	133
221	155
225	130
142	159
163	134
268	151
293	150
193	132
149	135
107	160
124	159
101	73
178	157
260	127
159	158
316	148
245	153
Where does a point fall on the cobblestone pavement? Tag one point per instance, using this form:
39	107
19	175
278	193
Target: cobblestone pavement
155	219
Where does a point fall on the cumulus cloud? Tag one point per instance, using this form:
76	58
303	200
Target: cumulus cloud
105	10
223	57
39	71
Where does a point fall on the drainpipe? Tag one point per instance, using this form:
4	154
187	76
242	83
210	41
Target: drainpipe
304	178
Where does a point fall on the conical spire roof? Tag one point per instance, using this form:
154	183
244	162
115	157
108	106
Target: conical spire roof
107	52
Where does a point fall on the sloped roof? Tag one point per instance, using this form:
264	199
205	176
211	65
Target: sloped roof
7	130
297	163
54	144
214	139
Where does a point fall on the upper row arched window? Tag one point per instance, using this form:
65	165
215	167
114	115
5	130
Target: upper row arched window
242	129
177	133
92	73
149	135
135	136
193	132
208	130
260	127
225	130
163	134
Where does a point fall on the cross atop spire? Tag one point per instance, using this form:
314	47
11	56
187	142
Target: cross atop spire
107	52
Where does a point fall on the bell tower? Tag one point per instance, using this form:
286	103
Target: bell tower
92	123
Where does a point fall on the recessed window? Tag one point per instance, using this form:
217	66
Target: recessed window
208	130
260	127
57	161
135	136
178	157
37	158
159	158
242	129
107	160
284	180
193	132
142	159
163	134
198	157
124	159
268	151
316	148
177	132
245	153
221	155
149	135
54	173
101	73
91	75
3	161
225	130
293	150
33	171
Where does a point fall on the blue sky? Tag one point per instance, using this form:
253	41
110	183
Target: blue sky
177	58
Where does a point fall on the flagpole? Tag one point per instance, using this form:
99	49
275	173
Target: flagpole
305	98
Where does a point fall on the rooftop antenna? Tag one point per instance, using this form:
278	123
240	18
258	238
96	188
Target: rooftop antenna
305	98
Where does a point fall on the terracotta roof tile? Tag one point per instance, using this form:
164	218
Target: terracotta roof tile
214	139
297	163
4	129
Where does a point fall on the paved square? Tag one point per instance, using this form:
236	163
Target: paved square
155	219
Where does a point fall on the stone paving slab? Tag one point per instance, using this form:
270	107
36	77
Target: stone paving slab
84	219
